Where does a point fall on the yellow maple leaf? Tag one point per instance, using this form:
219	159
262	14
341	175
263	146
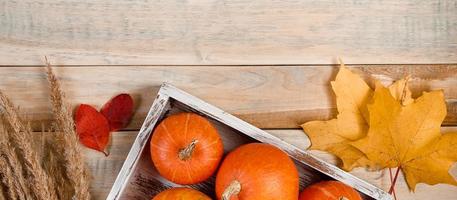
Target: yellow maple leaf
408	136
335	136
401	92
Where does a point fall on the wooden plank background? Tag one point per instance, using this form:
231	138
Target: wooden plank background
266	96
268	62
99	32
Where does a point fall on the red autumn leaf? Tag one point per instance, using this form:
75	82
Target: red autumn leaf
92	128
118	111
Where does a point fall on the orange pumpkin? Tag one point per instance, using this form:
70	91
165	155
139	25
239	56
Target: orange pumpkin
257	172
186	148
331	190
181	194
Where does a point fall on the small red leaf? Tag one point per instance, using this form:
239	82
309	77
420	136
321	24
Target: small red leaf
92	128
118	111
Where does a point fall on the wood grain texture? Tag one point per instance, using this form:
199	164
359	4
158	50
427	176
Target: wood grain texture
97	32
265	96
104	169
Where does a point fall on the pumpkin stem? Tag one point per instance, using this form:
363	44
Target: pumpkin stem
343	198
233	189
186	153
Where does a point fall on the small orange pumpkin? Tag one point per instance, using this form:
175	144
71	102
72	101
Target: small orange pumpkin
257	172
186	148
181	194
332	190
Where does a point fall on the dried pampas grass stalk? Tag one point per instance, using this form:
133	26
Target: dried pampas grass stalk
7	178
38	181
7	151
76	169
6	173
53	164
2	189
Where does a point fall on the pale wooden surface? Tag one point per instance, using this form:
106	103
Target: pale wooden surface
270	34
104	169
266	96
100	32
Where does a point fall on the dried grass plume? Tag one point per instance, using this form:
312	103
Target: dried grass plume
50	168
38	180
74	163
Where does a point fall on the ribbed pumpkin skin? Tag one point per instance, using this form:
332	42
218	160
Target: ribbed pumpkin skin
181	194
264	172
175	133
329	190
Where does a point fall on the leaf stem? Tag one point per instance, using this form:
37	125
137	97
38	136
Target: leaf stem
393	191
395	180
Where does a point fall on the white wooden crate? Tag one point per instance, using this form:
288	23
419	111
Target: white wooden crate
138	178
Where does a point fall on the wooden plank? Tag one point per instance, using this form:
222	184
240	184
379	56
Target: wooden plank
104	169
266	96
98	32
